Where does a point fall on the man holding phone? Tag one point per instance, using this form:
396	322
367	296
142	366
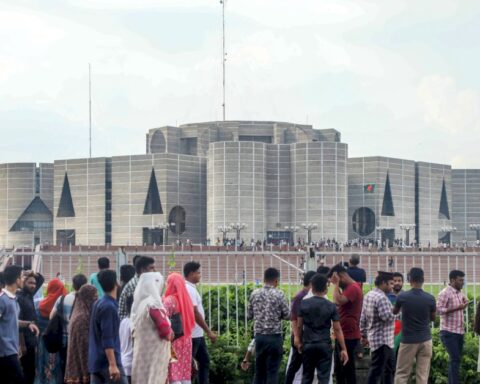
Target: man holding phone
450	306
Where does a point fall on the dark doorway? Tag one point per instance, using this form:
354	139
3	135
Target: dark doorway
66	237
388	236
152	236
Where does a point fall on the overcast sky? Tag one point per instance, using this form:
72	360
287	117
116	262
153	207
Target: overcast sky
396	78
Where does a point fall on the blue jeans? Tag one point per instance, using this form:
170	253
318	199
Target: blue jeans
453	343
268	352
103	377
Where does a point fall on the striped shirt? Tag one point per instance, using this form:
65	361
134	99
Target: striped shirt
450	298
127	292
377	319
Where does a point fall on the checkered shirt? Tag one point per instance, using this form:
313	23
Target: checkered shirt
453	322
127	291
377	319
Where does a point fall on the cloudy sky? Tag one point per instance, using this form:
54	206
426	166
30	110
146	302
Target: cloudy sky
396	78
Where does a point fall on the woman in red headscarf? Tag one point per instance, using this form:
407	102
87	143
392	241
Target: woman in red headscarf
177	300
48	365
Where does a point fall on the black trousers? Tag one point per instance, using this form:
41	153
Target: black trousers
63	361
268	356
200	353
317	356
11	370
295	363
28	364
382	368
345	374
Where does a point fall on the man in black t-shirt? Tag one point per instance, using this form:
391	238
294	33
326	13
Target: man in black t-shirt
354	271
315	320
418	310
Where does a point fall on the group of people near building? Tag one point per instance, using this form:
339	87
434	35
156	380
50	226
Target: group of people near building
142	329
328	337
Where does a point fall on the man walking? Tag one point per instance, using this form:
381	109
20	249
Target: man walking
295	355
192	274
10	368
376	326
32	282
316	317
268	307
418	310
450	306
104	354
347	295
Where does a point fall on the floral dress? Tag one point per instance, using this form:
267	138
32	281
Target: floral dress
180	368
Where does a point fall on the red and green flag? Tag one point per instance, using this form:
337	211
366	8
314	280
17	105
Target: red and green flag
369	188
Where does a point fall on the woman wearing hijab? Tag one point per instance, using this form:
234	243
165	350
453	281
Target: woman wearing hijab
151	330
76	371
49	369
177	300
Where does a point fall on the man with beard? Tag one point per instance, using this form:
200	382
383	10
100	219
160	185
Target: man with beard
451	305
392	296
348	296
376	325
31	284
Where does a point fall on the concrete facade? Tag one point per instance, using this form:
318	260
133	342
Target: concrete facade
181	182
87	181
377	172
465	203
26	202
271	176
432	224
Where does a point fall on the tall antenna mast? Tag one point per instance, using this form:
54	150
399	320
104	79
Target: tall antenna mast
224	54
90	108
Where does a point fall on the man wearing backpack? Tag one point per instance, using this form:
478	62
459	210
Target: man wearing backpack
68	302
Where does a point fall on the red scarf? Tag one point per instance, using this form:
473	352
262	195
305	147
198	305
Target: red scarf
55	289
176	286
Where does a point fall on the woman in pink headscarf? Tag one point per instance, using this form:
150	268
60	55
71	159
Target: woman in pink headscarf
177	300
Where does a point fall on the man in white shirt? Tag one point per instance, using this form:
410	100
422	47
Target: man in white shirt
192	274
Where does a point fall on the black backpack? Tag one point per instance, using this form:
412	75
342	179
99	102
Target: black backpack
53	335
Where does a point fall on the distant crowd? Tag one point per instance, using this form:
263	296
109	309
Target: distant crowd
143	329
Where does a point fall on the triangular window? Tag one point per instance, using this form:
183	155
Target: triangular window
444	212
36	216
152	203
65	208
387	206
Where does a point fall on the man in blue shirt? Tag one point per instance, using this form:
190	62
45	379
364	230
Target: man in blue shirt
9	339
103	264
104	361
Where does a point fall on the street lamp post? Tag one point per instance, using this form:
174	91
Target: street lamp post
292	229
407	228
238	227
224	229
476	228
309	227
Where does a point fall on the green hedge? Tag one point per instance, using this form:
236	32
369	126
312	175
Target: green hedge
226	355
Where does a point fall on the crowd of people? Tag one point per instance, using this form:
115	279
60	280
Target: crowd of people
148	329
142	329
328	337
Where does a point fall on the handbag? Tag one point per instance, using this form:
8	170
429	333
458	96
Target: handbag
177	325
53	335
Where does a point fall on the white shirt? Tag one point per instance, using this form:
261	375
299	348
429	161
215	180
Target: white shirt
197	302
126	345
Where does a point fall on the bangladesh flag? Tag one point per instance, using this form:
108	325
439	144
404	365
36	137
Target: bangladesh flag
369	188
